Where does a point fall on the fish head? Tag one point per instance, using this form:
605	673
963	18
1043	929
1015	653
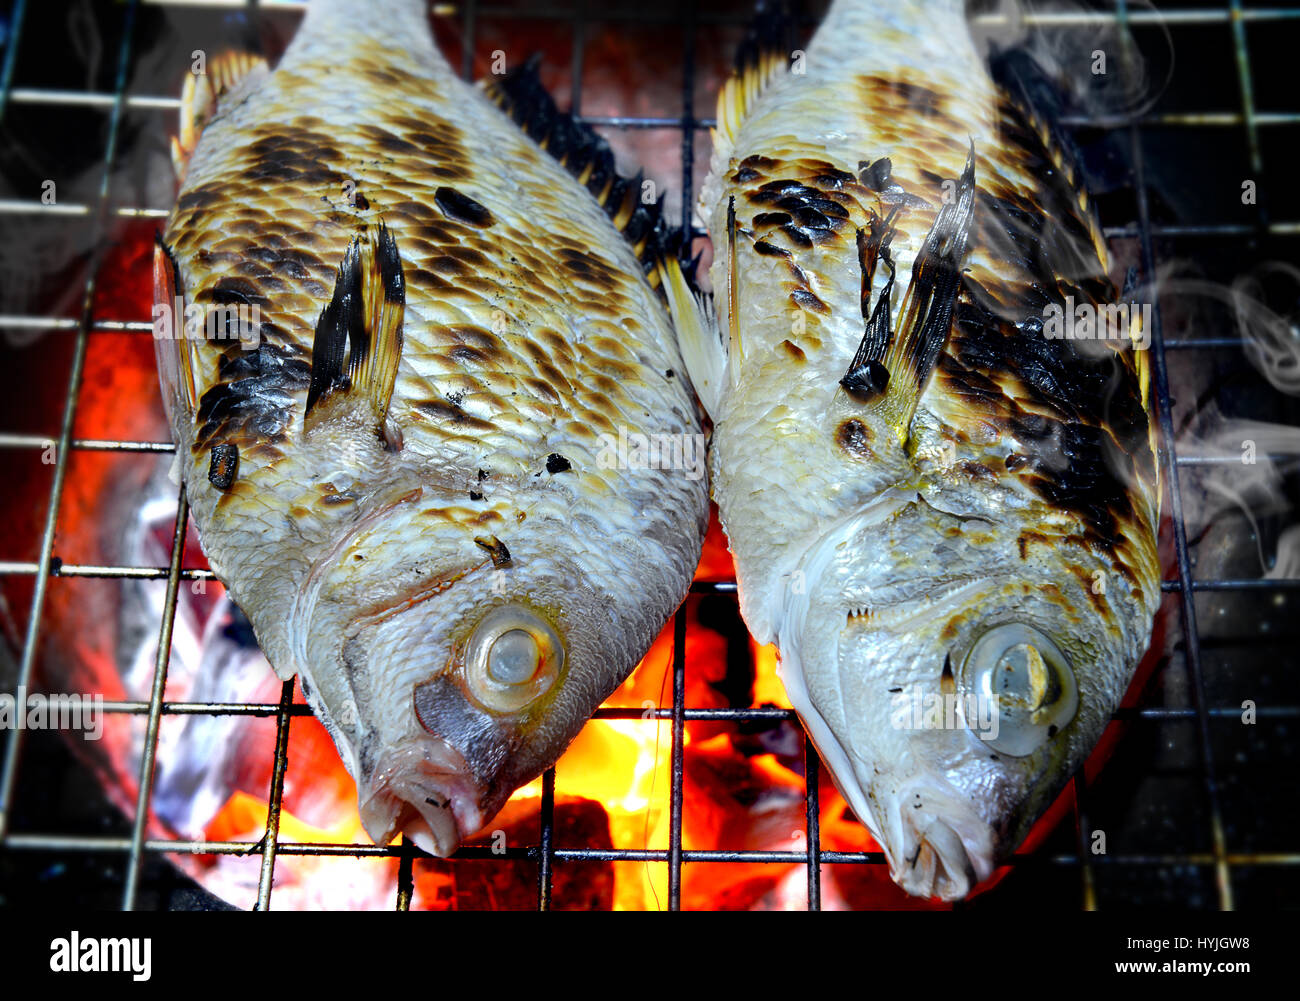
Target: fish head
471	674
952	685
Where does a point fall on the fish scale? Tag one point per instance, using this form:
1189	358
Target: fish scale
920	489
371	550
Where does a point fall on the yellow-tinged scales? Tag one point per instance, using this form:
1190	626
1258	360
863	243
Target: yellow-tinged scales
891	503
487	324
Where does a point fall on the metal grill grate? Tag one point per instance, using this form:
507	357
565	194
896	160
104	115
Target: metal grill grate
1232	18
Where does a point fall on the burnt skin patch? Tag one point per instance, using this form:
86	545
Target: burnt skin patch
253	397
223	467
1081	436
805	213
806	300
897	97
1028	538
770	250
830	178
766	220
877	175
792	349
290	154
977	471
229	291
208	196
1088	582
496	549
556	463
758	162
462	208
855	438
446	410
334	498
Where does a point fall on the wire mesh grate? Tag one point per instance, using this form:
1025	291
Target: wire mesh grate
1231	17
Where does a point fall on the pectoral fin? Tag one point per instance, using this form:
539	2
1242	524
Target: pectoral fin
888	373
362	322
867	377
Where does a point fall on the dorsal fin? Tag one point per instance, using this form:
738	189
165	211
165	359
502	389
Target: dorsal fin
762	57
889	373
586	155
1043	102
364	315
201	95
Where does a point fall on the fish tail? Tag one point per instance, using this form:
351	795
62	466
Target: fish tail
922	30
914	13
400	26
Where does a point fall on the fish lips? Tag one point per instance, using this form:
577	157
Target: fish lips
425	790
936	843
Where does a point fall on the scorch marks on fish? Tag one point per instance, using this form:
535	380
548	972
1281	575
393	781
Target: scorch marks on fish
1080	419
964	503
448	323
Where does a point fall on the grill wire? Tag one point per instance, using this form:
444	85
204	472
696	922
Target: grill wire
1232	17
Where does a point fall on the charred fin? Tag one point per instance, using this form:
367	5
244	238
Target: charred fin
586	155
889	373
867	376
762	57
364	315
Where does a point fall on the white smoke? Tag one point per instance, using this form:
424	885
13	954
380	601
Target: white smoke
1244	463
1091	54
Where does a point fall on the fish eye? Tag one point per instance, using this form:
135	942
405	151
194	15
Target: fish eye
512	659
1028	682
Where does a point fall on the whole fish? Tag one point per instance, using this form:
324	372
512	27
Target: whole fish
939	488
411	334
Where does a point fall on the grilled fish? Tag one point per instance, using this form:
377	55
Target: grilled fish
941	495
409	333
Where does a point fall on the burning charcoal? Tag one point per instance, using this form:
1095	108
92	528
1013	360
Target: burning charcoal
510	884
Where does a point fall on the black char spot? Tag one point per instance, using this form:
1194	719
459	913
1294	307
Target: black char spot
876	176
224	466
454	205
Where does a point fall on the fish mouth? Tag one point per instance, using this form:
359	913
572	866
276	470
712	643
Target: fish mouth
937	845
425	791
